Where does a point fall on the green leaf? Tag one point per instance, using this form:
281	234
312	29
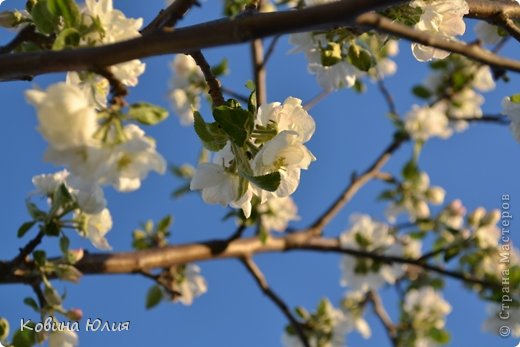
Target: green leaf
68	9
212	136
515	98
25	338
44	20
52	229
410	171
31	303
40	257
24	228
360	58
252	104
61	198
250	85
34	211
421	92
154	297
64	244
236	122
269	182
440	336
69	37
221	68
165	223
146	113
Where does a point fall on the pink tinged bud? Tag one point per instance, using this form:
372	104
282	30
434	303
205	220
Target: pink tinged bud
75	314
76	255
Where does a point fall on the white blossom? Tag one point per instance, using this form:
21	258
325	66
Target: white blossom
371	236
442	17
352	307
487	33
132	160
278	212
512	110
192	284
493	323
427	309
483	79
95	227
66	117
63	338
46	184
187	85
423	123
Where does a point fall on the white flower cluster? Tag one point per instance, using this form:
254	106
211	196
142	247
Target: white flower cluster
115	27
327	328
187	85
427	311
416	194
329	61
441	17
282	130
450	113
365	234
512	109
63	338
68	120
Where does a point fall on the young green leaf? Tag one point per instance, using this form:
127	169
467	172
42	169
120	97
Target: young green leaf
154	297
146	113
236	122
24	228
43	19
212	136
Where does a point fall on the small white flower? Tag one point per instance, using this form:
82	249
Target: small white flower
371	236
442	17
187	85
66	117
427	309
89	195
425	122
487	33
46	184
512	110
278	212
132	160
483	79
192	285
95	227
63	338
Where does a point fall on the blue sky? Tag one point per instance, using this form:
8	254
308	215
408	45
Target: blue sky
477	166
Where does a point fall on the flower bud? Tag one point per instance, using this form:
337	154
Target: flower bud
422	210
52	296
75	314
436	195
9	19
476	216
491	218
75	255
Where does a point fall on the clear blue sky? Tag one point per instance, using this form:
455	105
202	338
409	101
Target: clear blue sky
477	166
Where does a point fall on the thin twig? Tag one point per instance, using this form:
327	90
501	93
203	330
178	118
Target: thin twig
270	50
259	72
27	249
387	95
27	34
315	100
356	183
257	274
170	16
234	94
215	90
384	318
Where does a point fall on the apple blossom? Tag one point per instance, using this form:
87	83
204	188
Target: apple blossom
442	17
66	117
512	110
191	285
425	122
63	338
487	33
95	227
278	212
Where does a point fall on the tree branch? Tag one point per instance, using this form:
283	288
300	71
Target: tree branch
384	318
257	56
170	16
131	262
214	85
356	183
211	34
255	271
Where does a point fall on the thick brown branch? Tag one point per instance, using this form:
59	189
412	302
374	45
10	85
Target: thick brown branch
257	56
257	274
131	262
211	34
